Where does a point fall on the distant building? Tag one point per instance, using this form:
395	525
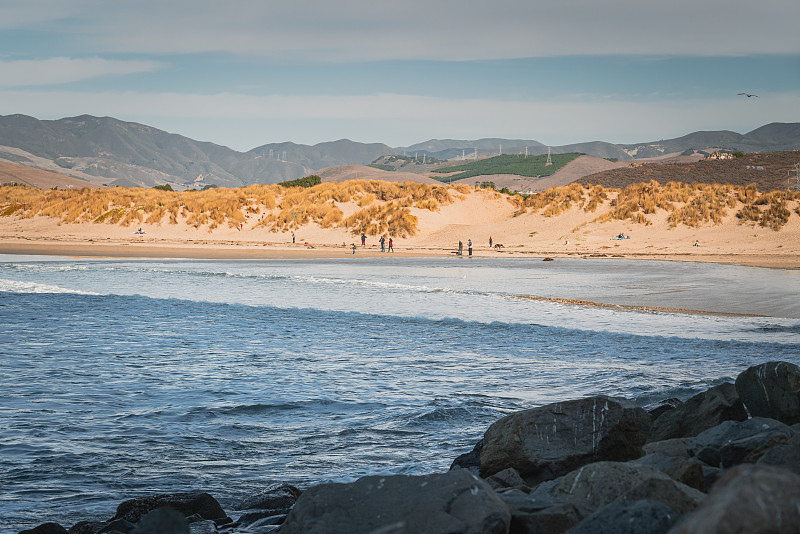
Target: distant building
720	155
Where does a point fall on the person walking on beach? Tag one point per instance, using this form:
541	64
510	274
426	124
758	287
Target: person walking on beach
469	246
354	248
363	239
460	248
391	248
490	241
292	237
383	243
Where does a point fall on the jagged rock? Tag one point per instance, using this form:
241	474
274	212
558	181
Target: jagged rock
279	497
455	501
658	409
162	521
701	412
684	470
46	528
679	497
628	517
546	442
676	447
86	527
595	485
734	442
507	478
187	503
470	460
771	390
748	498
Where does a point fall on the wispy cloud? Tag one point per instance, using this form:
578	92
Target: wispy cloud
351	30
60	70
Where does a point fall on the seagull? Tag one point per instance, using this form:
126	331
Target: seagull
748	95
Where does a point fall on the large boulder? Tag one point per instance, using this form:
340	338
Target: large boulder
748	498
546	442
46	528
279	497
199	503
628	517
595	485
684	470
734	442
455	501
771	390
701	412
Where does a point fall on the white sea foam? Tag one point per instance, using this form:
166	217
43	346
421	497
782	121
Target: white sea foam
14	286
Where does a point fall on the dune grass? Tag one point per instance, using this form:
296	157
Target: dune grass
387	207
384	206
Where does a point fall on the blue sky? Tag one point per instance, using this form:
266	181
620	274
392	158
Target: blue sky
243	73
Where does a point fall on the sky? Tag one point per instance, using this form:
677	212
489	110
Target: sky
244	73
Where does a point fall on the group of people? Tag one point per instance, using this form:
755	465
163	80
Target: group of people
469	247
382	241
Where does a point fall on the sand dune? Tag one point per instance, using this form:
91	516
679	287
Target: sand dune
475	215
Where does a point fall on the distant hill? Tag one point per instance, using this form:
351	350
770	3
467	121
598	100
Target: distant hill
767	170
342	152
14	174
107	151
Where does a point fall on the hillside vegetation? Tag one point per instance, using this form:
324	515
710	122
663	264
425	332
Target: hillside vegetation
740	171
509	164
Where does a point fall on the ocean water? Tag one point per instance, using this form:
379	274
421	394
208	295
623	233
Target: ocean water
122	378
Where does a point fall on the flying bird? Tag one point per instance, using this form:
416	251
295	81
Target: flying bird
748	95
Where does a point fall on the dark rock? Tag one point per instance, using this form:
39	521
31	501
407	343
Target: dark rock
547	442
186	503
771	390
455	501
710	476
203	527
676	447
786	455
658	409
681	498
470	460
701	412
595	485
162	521
684	470
86	527
117	525
274	497
628	517
734	442
46	528
748	498
553	520
507	478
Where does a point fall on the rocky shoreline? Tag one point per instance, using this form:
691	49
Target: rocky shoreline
725	461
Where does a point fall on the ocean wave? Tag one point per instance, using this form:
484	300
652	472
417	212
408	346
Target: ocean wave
15	286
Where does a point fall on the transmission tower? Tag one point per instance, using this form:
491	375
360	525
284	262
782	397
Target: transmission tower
794	183
549	159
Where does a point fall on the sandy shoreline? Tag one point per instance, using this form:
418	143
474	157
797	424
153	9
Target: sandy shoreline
228	250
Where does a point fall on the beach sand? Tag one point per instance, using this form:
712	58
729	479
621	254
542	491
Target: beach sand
476	216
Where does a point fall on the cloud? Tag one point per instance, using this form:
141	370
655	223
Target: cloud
353	30
58	70
242	120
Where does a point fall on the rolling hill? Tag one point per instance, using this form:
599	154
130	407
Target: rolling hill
107	151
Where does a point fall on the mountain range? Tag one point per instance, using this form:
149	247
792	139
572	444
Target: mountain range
109	151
